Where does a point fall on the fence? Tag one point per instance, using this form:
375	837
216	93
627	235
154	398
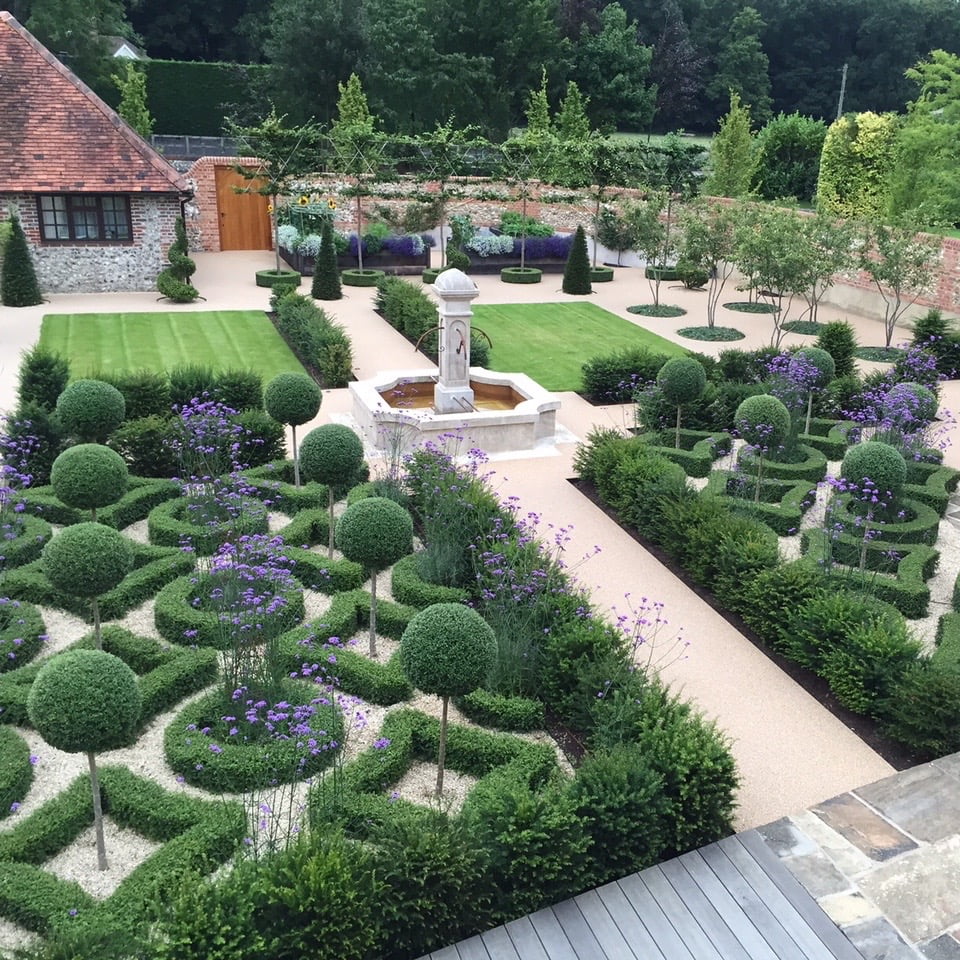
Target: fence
191	148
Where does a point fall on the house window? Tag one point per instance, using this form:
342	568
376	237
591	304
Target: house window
85	217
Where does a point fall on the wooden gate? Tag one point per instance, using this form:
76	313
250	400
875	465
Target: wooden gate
244	220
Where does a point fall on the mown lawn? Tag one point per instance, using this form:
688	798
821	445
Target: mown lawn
551	341
221	339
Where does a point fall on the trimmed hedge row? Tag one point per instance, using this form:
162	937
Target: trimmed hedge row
921	528
318	572
27	544
22	633
310	526
16	770
831	437
179	621
273	483
408	586
504	713
172	525
782	502
215	761
152	568
931	483
143	494
698	449
813	467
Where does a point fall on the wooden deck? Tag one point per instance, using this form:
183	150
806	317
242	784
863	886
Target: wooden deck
732	900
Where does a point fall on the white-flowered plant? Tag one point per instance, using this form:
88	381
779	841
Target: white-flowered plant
287	236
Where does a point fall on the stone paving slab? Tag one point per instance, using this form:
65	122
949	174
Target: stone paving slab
883	861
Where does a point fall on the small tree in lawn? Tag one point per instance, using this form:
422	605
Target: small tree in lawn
86	701
294	399
709	241
18	282
681	380
576	273
331	454
764	423
89	475
899	262
326	274
86	560
448	650
815	370
91	410
376	533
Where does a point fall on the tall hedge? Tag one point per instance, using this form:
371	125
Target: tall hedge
788	157
858	156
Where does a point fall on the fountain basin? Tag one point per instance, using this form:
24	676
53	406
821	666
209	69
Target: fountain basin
394	411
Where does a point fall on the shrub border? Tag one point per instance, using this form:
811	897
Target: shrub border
783	516
27	626
167	527
28	544
143	494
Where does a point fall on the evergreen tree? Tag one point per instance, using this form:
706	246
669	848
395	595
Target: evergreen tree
732	154
676	69
326	276
576	274
174	282
538	108
132	84
571	121
18	286
742	65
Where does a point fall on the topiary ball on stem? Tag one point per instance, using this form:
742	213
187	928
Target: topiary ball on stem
814	367
86	701
87	560
448	650
576	273
375	532
878	472
91	409
331	454
88	476
294	399
764	423
681	380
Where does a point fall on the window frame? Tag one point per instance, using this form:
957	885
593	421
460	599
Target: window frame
74	203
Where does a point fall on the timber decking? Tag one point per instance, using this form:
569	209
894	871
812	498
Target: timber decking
731	900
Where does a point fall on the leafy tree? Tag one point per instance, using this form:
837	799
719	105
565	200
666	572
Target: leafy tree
132	84
743	66
774	253
676	70
924	180
897	259
75	31
615	232
538	108
86	701
312	45
18	278
788	157
375	532
831	244
359	148
577	15
524	160
326	273
654	239
571	121
447	649
576	273
614	68
732	153
284	154
709	238
858	156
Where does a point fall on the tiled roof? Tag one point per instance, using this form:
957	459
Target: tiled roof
58	136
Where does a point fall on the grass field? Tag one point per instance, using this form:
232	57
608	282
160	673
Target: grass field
222	339
551	341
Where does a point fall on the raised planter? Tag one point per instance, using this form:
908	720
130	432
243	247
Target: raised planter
601	274
488	265
521	275
269	278
360	278
662	273
431	274
386	262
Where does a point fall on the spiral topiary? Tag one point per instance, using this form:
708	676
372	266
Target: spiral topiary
331	454
293	398
375	532
86	701
448	650
91	409
88	476
174	282
86	560
877	468
681	380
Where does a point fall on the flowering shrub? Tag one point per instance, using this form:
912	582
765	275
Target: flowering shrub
288	236
309	245
490	245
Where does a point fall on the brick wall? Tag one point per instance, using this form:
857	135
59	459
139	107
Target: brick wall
97	268
201	217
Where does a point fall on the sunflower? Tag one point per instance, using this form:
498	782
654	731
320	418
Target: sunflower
269	208
303	200
331	204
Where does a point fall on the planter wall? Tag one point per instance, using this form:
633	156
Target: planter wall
487	265
387	262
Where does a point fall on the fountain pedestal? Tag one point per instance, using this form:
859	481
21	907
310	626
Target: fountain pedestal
453	393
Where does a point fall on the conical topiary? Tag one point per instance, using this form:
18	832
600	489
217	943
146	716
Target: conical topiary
18	287
326	276
576	274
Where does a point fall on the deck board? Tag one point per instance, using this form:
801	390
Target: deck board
730	900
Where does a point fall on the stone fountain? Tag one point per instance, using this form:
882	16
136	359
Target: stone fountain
496	412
